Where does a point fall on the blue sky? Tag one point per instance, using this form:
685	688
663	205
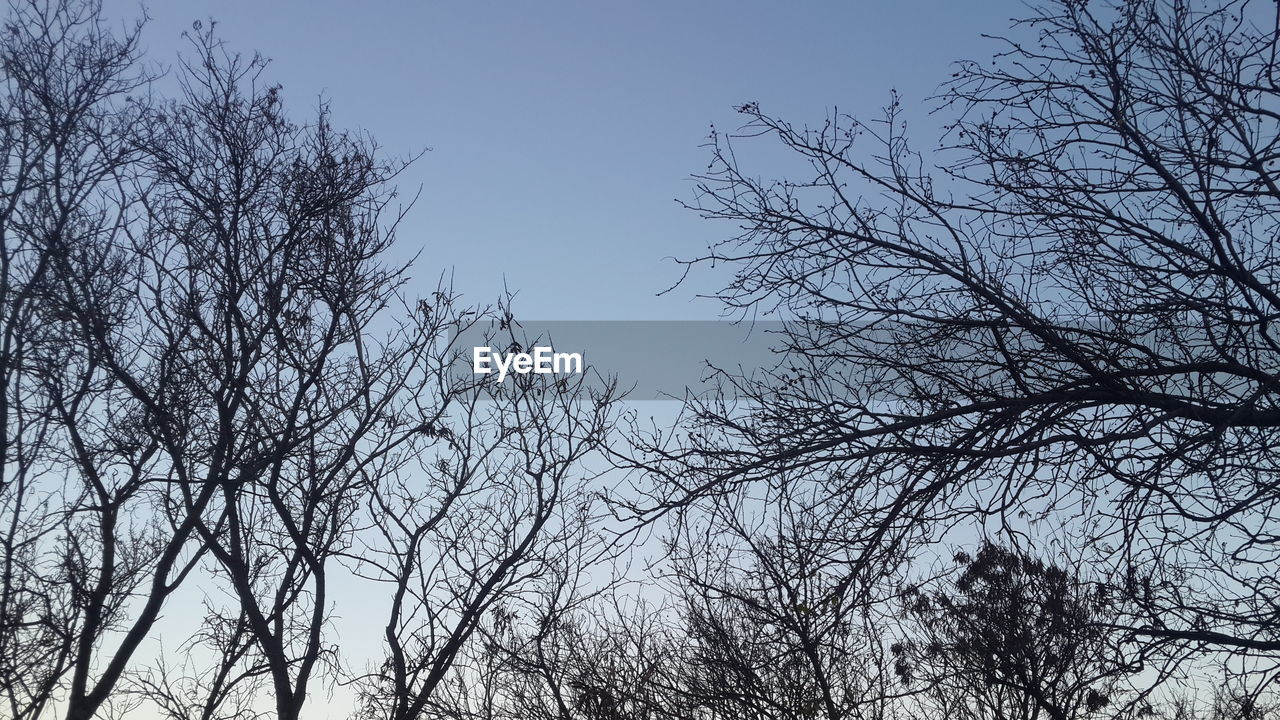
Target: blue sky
562	132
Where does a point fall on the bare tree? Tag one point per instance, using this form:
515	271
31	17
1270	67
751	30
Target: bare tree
769	633
260	257
608	659
212	371
76	469
496	517
575	654
1015	637
748	628
1062	326
190	686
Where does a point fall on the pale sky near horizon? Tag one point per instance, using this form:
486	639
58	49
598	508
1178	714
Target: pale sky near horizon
561	133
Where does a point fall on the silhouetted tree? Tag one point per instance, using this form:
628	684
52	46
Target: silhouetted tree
1014	637
595	660
259	258
751	629
770	634
82	576
1066	324
211	373
496	517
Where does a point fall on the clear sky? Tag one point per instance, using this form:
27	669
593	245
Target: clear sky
562	132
